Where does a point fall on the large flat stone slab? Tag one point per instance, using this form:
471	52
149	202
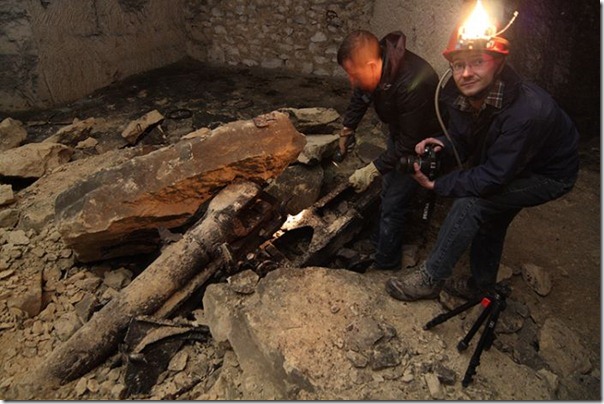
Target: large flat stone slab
333	334
118	211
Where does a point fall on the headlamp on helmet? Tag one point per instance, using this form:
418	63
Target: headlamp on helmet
478	32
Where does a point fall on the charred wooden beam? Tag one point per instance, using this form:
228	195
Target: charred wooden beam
313	237
266	215
232	215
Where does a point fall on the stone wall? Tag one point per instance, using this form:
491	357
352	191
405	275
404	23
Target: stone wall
57	51
291	34
54	51
551	39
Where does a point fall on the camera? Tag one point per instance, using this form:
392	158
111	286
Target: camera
428	162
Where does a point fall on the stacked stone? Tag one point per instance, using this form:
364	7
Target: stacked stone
286	35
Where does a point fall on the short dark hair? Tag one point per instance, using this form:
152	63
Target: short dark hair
356	41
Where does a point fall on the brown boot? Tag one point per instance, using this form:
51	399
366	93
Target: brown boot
463	287
414	286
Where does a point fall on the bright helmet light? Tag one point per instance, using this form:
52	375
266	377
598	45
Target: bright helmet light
478	26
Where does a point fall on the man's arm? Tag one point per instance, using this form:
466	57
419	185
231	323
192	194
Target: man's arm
505	158
359	102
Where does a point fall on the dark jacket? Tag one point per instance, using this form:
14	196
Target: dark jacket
404	99
530	134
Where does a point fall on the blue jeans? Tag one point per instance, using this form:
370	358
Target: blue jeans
482	223
397	191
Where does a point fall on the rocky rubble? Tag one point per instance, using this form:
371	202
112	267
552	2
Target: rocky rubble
312	333
380	351
325	322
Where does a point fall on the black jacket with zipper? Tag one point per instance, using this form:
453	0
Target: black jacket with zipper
404	99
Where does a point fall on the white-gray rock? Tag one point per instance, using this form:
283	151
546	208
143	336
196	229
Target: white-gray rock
66	325
283	337
138	127
434	386
560	347
18	237
33	160
537	278
12	134
6	194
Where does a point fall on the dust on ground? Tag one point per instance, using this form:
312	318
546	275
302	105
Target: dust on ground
562	236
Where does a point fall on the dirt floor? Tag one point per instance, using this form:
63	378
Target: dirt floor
562	236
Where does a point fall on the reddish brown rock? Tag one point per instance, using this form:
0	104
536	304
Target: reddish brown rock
118	211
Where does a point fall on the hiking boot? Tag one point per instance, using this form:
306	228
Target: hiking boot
374	267
414	286
463	287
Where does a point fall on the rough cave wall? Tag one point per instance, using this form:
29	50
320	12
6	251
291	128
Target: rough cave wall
54	51
556	44
551	40
427	25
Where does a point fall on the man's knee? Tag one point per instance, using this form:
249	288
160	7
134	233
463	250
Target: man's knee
465	203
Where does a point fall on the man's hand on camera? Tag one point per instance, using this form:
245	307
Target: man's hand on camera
362	178
421	178
421	146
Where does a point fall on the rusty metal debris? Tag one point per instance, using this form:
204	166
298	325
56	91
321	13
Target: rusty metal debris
148	347
313	237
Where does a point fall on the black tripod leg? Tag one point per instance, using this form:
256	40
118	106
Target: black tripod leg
441	318
465	342
486	339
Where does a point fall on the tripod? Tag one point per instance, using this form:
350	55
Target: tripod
494	303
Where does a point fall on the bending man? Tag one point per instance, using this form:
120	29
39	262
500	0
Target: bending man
401	86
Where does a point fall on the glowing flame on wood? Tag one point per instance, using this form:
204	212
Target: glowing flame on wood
292	221
478	25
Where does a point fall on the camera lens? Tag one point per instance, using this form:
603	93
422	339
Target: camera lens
407	163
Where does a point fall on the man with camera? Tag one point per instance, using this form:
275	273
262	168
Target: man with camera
520	150
401	86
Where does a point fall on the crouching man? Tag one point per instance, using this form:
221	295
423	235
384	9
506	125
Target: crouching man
520	150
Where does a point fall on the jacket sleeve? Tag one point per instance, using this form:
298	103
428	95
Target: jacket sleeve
359	102
506	157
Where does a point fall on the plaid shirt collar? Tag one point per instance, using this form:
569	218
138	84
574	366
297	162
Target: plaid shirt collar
494	98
